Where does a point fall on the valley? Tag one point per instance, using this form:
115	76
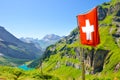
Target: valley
61	60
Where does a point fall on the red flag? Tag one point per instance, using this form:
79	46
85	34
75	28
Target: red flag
88	27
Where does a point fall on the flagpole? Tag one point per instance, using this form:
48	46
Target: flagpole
82	63
81	56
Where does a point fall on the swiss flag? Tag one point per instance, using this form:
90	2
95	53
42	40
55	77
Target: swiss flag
88	27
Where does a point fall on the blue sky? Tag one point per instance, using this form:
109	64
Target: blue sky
36	18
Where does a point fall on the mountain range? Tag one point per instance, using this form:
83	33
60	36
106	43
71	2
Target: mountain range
12	49
43	43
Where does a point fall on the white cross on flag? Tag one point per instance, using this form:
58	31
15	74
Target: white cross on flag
88	26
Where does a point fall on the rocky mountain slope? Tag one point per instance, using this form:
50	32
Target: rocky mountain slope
50	37
14	50
63	58
44	42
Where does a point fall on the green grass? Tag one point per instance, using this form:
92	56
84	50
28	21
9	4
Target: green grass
107	20
65	73
104	76
113	61
12	73
3	45
113	2
62	73
107	41
5	60
13	47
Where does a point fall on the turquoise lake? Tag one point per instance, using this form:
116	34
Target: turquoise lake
24	67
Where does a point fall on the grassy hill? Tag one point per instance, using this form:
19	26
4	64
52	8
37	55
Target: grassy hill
10	73
63	58
9	61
